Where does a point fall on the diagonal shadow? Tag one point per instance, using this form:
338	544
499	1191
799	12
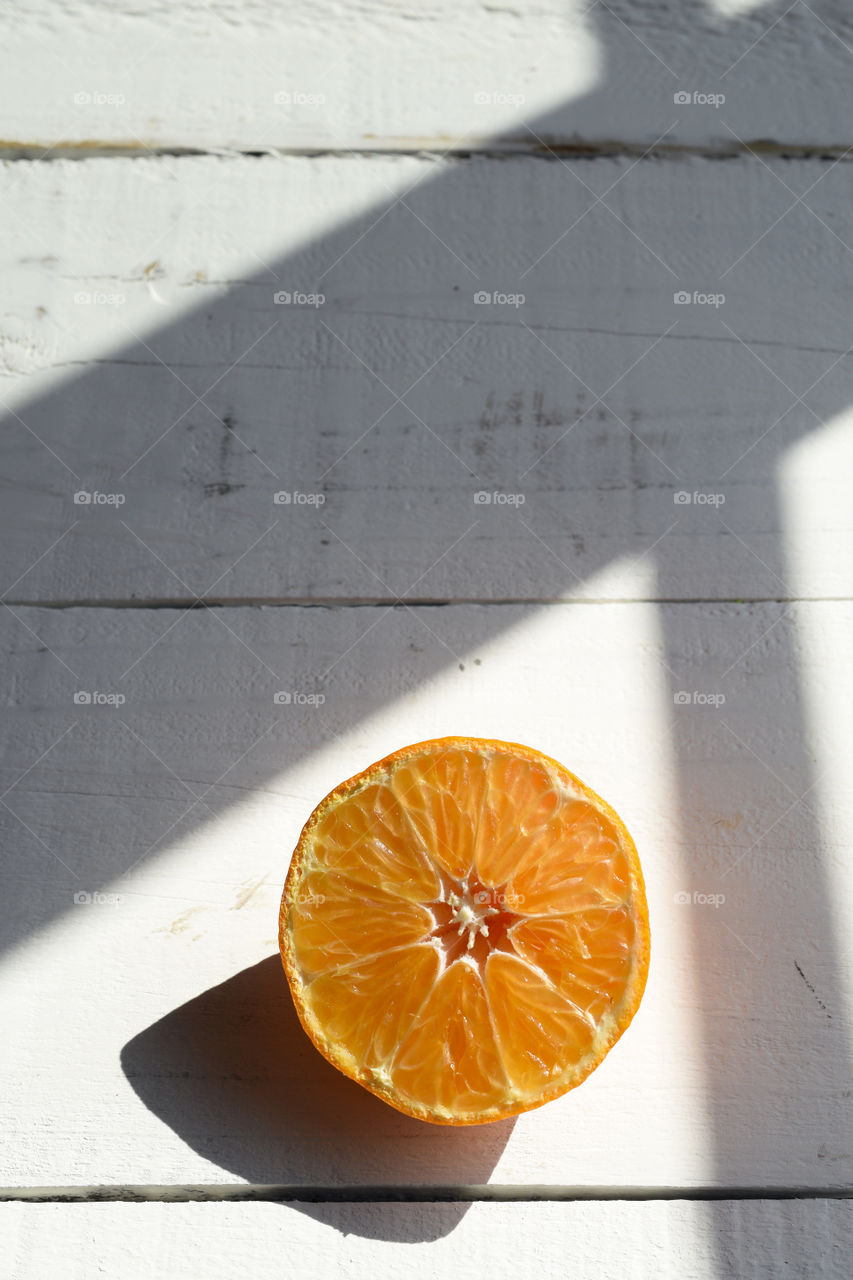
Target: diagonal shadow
512	407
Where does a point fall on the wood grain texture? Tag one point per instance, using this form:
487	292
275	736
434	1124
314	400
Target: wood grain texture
146	362
391	73
722	1240
150	1037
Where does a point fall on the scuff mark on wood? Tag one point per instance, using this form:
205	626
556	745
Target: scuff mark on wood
812	990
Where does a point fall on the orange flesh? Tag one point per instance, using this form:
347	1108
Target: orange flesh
464	929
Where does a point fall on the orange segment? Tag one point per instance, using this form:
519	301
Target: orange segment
450	1061
575	861
541	1036
464	929
370	840
586	956
442	795
370	1006
521	800
333	922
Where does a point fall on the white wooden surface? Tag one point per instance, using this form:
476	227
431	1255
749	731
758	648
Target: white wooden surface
690	659
134	287
747	1240
425	72
151	1038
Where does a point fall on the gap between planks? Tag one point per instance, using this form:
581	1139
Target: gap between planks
497	149
392	602
181	1194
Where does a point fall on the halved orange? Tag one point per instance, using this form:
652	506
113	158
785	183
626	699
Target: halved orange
464	929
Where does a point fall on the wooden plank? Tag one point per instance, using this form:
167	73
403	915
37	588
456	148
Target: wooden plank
148	364
250	76
744	1240
150	1038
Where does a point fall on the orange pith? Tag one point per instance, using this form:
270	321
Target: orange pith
464	929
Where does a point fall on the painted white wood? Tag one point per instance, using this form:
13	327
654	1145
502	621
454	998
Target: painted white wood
144	356
149	1036
386	72
677	1240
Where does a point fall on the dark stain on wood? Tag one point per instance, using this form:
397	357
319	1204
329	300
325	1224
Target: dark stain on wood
218	488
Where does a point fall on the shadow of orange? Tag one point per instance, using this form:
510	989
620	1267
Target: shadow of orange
236	1077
